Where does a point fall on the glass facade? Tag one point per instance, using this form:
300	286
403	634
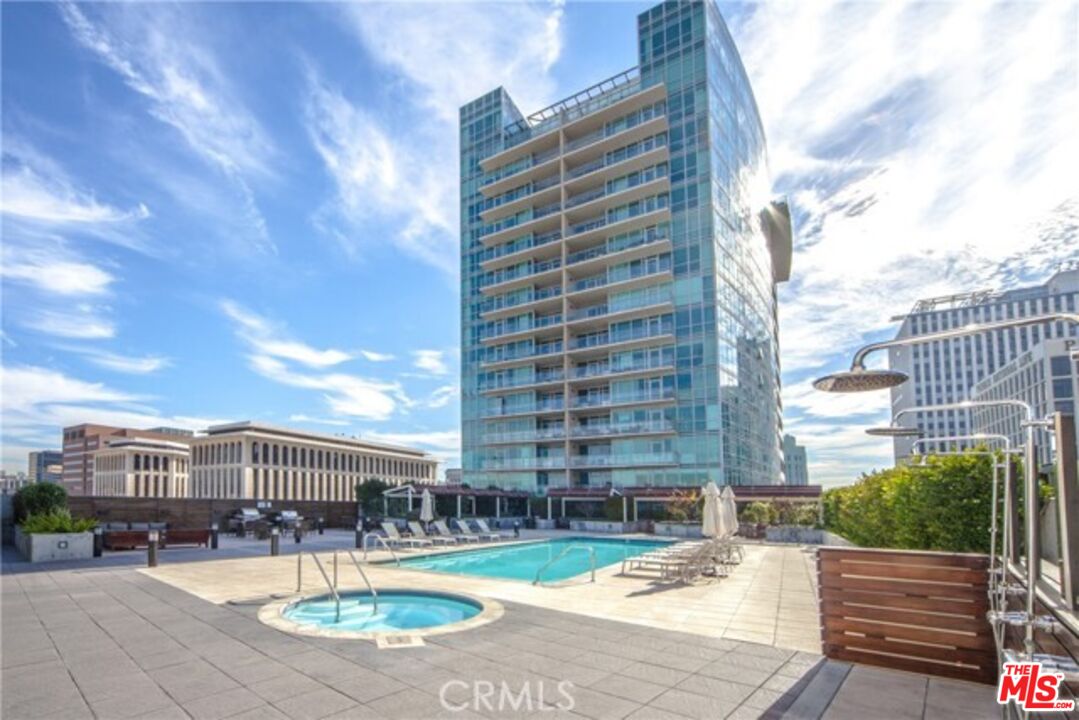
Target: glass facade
618	291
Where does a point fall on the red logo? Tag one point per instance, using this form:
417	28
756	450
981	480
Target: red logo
1031	689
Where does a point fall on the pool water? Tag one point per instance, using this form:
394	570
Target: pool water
397	610
522	561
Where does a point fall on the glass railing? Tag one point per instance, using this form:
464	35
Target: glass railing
536	379
598	370
599	430
536	351
522	192
526	463
636	179
534	324
624	123
659	202
542	406
502	302
500	276
523	243
520	219
646	300
622	275
587	196
552	433
623	460
520	165
601	400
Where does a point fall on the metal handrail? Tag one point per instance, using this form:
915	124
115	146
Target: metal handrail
333	590
385	544
370	587
556	558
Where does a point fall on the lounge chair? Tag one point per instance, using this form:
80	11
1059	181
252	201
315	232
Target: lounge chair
440	526
418	532
485	531
465	530
395	538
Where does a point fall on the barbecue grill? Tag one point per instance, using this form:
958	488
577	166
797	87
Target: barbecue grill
286	519
243	520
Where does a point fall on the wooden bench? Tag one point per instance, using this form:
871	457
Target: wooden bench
126	539
188	537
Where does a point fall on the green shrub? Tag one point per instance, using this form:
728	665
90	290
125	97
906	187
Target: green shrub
58	520
369	495
762	513
944	505
38	498
612	509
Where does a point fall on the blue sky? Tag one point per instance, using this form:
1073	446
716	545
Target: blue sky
218	212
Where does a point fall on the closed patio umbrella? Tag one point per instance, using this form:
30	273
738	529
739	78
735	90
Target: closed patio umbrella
712	524
427	507
730	512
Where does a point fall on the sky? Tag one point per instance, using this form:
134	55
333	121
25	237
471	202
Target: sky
218	212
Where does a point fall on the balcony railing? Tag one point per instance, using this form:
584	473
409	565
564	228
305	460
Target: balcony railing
502	302
543	406
525	242
613	276
656	235
497	356
602	430
522	192
591	401
598	221
536	379
617	156
553	433
501	276
520	219
594	311
636	179
526	326
611	338
526	463
587	371
589	461
520	165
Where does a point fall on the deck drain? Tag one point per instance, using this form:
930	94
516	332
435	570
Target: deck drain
392	642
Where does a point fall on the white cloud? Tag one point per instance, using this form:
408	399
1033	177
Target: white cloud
265	339
301	418
376	356
442	396
430	361
83	322
156	51
52	200
133	365
446	440
344	394
54	271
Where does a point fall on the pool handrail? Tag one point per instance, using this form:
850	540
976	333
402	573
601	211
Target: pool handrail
370	587
333	590
385	544
556	558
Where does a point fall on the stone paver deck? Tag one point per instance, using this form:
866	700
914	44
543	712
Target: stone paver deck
117	643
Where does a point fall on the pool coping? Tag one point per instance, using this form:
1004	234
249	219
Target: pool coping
273	614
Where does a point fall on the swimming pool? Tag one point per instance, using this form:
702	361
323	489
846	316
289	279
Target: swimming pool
522	561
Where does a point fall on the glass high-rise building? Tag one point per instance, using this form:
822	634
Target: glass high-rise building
619	259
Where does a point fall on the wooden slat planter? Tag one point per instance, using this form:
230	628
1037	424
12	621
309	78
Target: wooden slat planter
907	610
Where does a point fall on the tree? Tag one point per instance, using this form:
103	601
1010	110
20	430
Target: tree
369	495
38	498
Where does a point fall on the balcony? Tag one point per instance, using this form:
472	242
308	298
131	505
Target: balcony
527	463
631	460
522	248
536	326
537	408
505	280
516	199
597	316
644	183
523	151
503	305
591	229
605	400
540	378
517	356
652	148
622	429
525	436
604	370
597	287
538	219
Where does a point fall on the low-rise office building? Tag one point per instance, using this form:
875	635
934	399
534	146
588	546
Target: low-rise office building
45	466
266	462
142	467
82	441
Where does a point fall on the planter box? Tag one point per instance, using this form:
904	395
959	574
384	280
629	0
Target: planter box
677	529
804	536
605	526
49	547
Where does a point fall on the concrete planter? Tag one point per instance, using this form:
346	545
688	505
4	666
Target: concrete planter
49	547
677	529
804	536
605	526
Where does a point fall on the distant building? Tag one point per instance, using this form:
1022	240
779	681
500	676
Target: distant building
946	371
142	467
453	476
1045	376
45	466
10	483
266	462
82	441
165	430
794	462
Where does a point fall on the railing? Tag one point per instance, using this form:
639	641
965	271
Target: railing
356	563
617	156
608	338
331	585
634	459
589	371
589	401
611	278
502	303
546	406
526	463
381	541
536	379
591	554
522	243
620	429
602	250
526	435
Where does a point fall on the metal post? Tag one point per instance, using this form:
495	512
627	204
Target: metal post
213	536
1033	559
993	524
299	571
550	512
1011	518
99	541
359	536
498	507
458	507
275	541
335	568
1067	506
151	548
625	510
321	525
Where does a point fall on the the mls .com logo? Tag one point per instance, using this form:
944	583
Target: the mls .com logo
1031	689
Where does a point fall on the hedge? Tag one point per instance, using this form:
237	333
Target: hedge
944	505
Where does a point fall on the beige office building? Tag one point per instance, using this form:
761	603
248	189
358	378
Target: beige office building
142	467
266	462
82	441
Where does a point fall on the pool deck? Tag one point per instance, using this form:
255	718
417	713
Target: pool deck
770	597
108	639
